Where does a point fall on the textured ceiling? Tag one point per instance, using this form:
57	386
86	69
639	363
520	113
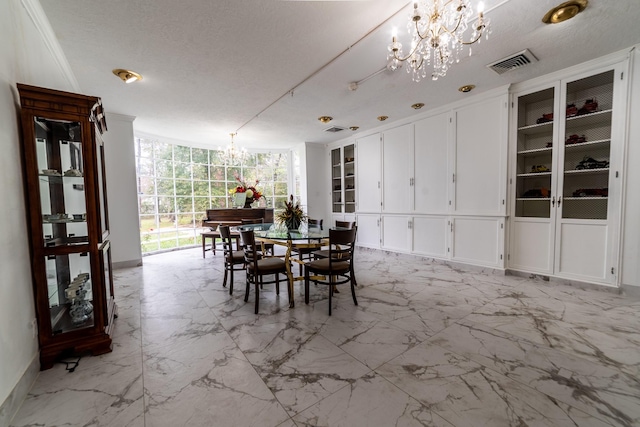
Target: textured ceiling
269	68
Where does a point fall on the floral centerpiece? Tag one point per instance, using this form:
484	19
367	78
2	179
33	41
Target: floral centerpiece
292	215
251	191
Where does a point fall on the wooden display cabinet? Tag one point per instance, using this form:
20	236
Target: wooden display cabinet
65	191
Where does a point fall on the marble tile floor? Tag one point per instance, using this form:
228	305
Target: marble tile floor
428	345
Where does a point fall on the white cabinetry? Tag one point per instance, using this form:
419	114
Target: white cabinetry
396	232
567	150
368	179
480	158
368	230
397	169
477	240
431	163
430	235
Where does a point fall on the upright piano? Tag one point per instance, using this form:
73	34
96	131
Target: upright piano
234	216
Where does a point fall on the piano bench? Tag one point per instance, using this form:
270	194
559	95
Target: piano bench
215	235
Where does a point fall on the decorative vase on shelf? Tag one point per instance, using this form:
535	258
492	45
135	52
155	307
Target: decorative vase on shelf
247	202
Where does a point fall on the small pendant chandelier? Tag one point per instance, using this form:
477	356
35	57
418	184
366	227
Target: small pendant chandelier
437	29
233	156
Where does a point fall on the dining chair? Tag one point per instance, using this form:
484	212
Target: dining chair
315	223
258	267
232	258
337	268
268	247
324	253
345	224
306	253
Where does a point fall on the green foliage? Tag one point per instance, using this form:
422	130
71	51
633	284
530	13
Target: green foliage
177	184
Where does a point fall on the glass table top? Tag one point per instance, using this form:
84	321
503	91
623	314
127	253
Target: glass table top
279	232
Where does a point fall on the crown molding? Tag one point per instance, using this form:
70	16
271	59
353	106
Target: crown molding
120	117
36	14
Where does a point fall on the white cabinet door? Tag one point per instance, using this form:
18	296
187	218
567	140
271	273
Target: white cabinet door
397	169
481	158
396	233
368	230
430	236
478	241
431	162
368	174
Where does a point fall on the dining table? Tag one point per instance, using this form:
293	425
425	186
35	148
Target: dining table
301	238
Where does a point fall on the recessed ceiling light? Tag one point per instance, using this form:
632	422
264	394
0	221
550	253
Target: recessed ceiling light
383	118
466	88
417	106
564	11
325	119
354	128
127	76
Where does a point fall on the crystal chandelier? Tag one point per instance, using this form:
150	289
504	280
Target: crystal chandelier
233	156
437	28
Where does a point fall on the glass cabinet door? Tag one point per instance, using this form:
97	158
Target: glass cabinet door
336	181
349	179
102	189
587	147
534	164
61	182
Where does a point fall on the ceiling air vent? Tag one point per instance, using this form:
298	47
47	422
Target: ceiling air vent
517	60
334	129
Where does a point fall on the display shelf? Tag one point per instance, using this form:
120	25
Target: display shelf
546	127
588	145
533	174
585	198
593	171
545	150
597	117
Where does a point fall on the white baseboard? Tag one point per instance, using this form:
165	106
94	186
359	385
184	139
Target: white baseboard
127	264
12	403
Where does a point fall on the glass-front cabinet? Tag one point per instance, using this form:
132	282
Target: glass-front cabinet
568	144
68	221
343	180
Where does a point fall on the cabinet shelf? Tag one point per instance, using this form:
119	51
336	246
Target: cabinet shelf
534	199
587	171
543	150
587	145
536	128
597	117
586	198
533	174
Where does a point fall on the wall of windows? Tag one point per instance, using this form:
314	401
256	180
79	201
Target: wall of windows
177	184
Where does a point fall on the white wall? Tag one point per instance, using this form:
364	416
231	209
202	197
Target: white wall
25	57
631	215
122	191
317	185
